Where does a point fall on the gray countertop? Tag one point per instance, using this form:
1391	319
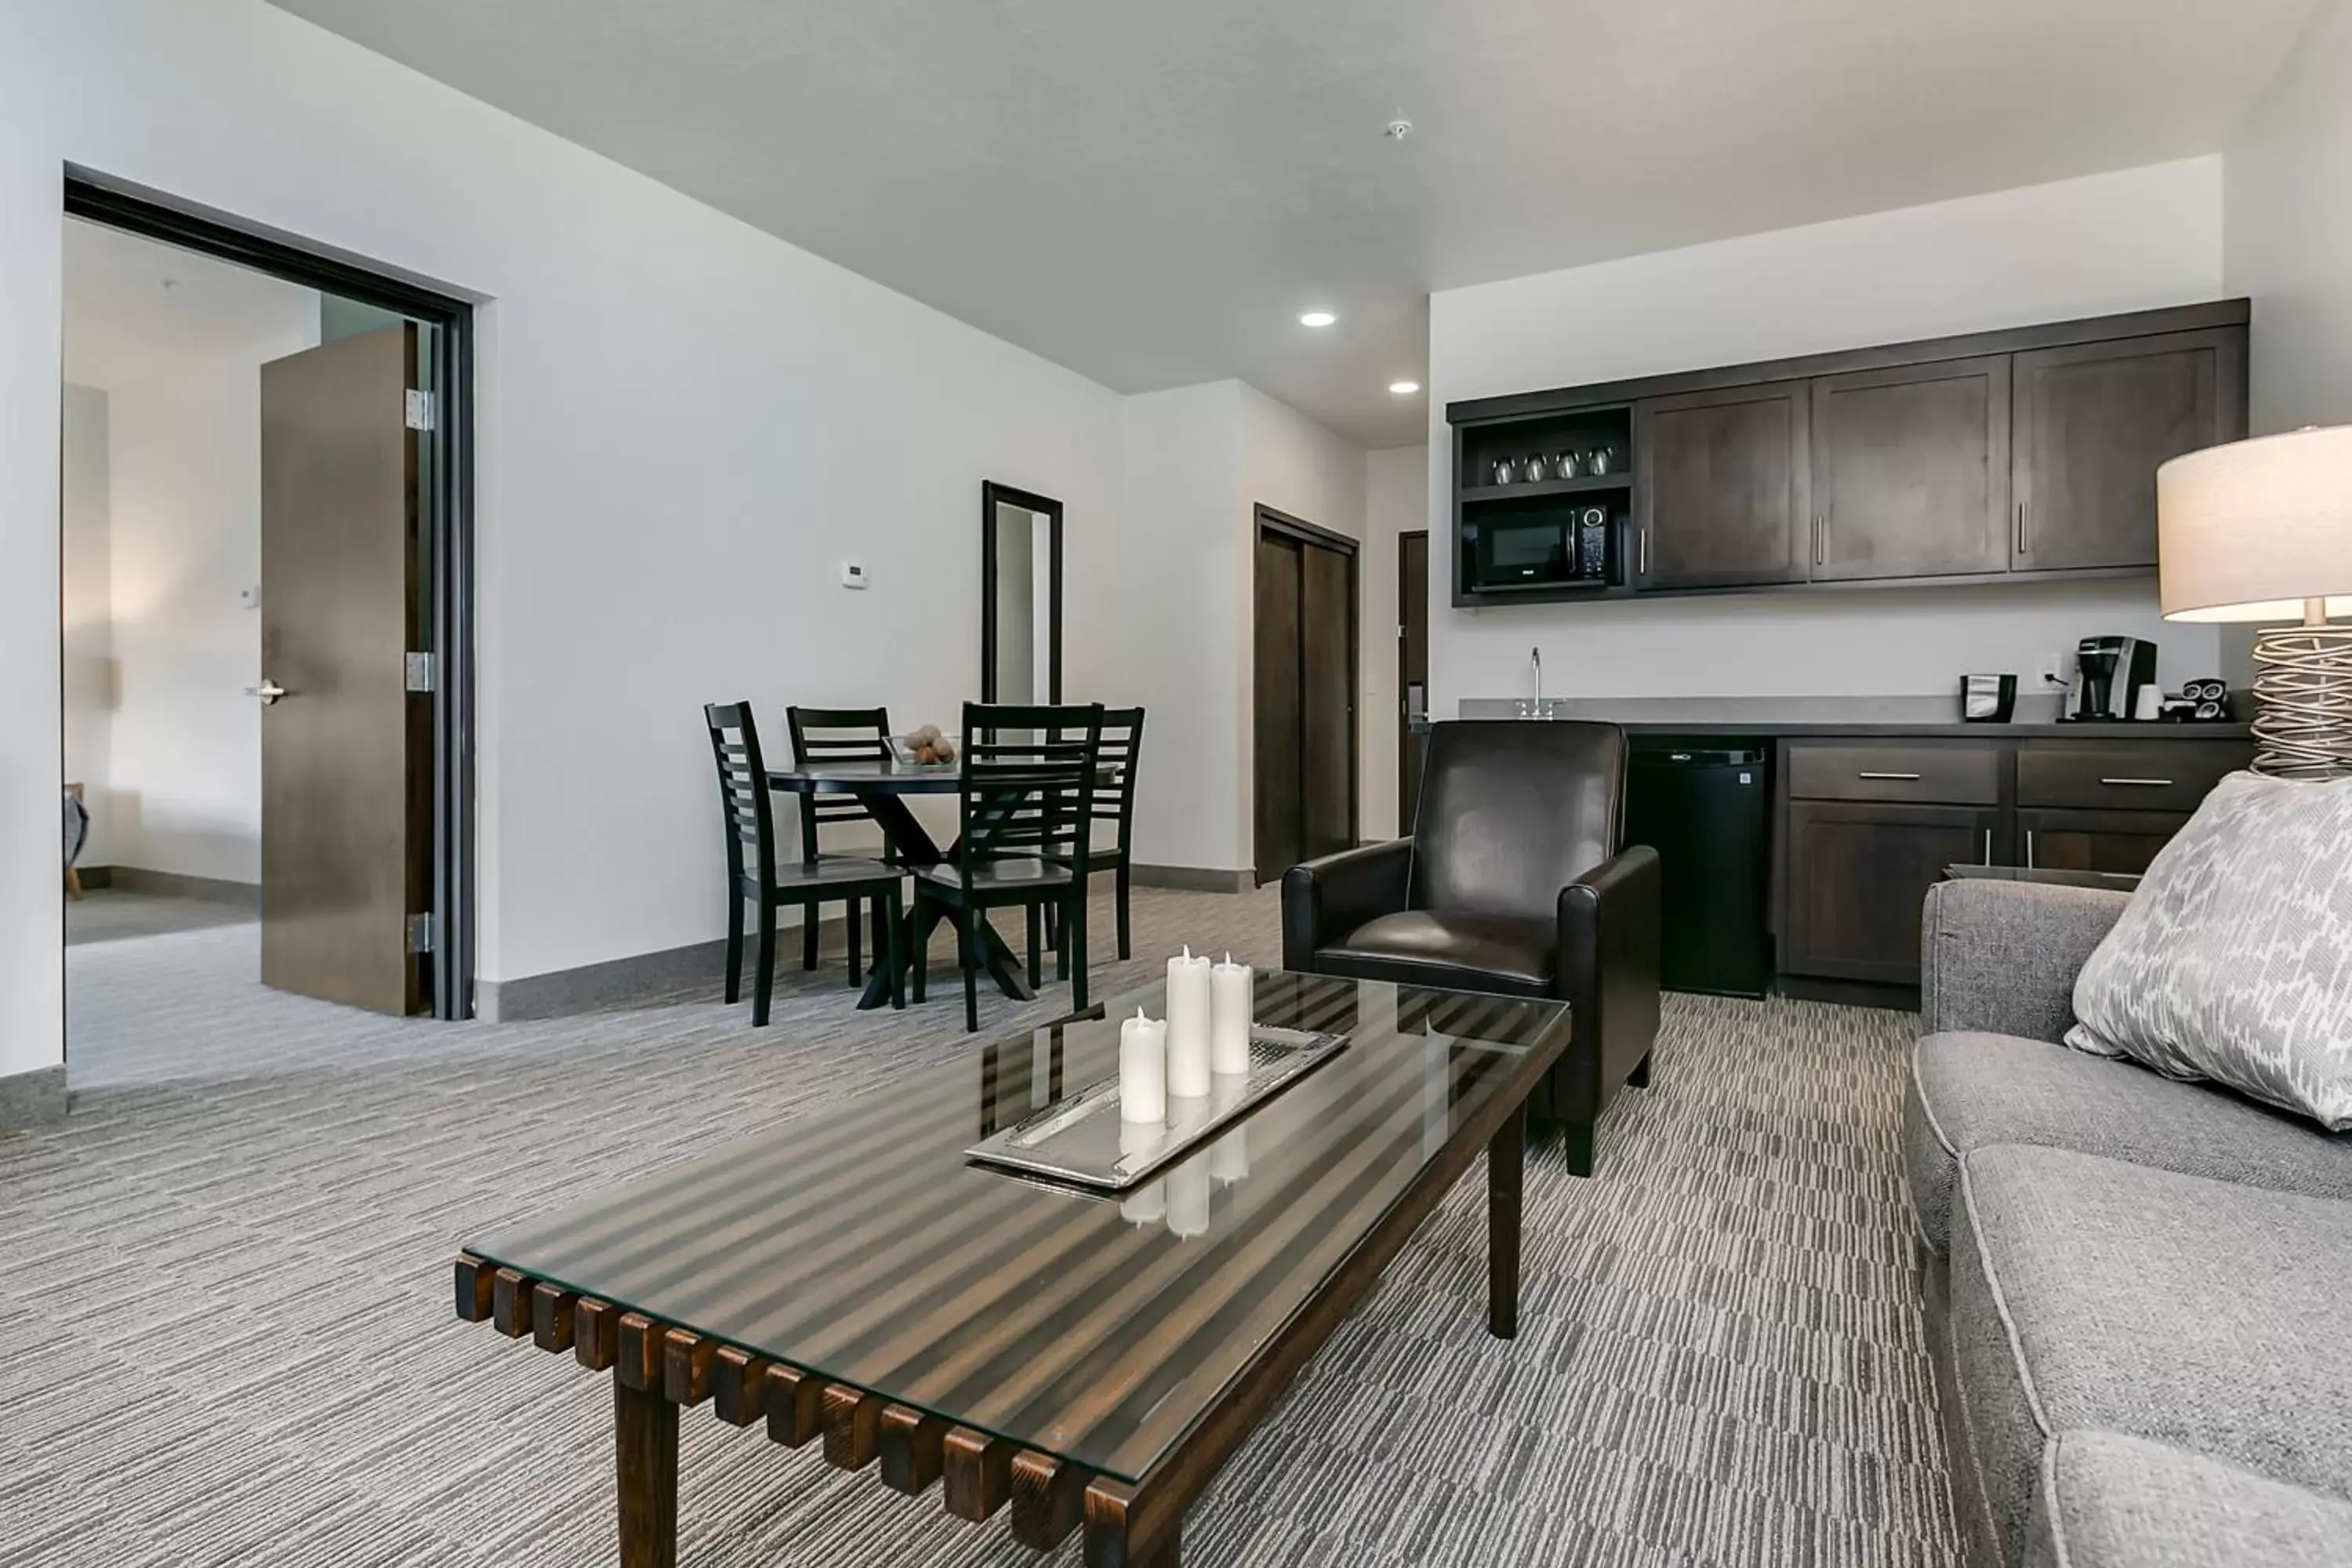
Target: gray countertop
1936	715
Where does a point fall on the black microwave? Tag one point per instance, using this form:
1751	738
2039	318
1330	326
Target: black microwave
1530	552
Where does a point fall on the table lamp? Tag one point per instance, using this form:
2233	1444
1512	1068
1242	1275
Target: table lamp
2262	531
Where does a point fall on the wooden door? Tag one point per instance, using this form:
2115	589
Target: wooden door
1281	806
1856	876
2122	841
1412	670
1326	701
1305	681
346	800
1723	497
2094	422
1910	471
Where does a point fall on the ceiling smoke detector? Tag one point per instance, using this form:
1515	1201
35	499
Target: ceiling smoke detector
1398	130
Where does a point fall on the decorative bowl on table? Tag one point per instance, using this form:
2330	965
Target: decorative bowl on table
924	748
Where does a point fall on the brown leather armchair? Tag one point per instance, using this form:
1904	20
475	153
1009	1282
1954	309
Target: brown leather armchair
1515	882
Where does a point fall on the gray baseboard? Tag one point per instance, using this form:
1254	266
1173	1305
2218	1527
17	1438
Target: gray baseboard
93	877
177	884
36	1098
565	992
1194	878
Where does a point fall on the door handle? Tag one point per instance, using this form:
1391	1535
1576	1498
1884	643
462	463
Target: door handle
2022	547
1897	778
1987	850
1642	567
2140	784
2029	849
269	692
1821	539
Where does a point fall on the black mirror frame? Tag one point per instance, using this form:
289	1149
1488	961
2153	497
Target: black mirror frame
990	495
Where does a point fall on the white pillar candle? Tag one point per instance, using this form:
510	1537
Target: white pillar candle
1188	1025
1188	1198
1232	1009
1142	1070
1148	1203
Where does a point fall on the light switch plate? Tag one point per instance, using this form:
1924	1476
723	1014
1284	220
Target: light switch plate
853	574
249	598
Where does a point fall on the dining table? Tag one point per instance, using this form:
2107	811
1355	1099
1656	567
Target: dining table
883	786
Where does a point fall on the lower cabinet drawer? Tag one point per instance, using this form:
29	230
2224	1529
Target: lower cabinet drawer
1963	774
2129	775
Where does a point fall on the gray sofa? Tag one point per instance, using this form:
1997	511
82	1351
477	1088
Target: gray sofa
2138	1291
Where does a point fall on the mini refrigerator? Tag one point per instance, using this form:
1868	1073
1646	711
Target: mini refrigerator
1706	812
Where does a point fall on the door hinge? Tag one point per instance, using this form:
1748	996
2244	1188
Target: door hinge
422	935
420	672
421	407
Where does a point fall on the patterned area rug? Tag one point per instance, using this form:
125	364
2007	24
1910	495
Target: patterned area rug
227	1336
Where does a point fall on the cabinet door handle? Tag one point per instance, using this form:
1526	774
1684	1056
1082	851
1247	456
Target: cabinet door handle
2140	784
1988	850
1644	569
2029	849
1820	538
2022	547
1899	778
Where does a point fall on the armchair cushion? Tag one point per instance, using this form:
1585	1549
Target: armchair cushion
1449	951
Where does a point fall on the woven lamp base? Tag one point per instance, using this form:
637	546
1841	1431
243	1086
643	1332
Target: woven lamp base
2302	701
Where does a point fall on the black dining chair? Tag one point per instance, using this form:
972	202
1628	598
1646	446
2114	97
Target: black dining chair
755	877
1112	800
1025	789
834	735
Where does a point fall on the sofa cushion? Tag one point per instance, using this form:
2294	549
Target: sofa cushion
2233	960
1970	1091
2093	1295
1451	950
2112	1502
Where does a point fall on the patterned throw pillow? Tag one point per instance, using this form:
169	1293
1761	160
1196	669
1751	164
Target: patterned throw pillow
2233	961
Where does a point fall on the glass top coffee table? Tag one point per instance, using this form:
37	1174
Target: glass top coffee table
854	1278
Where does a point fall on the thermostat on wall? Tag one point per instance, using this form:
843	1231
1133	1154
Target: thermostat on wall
853	574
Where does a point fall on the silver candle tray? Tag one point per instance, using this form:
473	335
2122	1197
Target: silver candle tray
1082	1139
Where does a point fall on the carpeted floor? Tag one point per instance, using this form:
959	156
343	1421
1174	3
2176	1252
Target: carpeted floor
226	1338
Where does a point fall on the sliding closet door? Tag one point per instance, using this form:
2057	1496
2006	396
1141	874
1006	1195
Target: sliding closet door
1306	695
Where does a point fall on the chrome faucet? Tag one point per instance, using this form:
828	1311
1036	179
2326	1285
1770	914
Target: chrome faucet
1535	672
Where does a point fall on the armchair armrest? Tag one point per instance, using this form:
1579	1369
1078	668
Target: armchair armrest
2001	957
1608	921
1323	900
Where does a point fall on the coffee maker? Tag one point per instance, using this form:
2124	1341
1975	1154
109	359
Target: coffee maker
2110	672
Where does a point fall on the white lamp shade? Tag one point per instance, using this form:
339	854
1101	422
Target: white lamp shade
2250	530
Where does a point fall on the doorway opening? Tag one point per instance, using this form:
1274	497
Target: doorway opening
267	740
1413	672
1305	680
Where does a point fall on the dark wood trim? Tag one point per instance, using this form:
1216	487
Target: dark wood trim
447	518
1269	519
992	495
1923	351
1848	992
1470	598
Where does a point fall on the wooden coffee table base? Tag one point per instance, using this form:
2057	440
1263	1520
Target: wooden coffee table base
660	1368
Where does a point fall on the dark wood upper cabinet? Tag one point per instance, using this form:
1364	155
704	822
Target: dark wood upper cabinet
1723	491
2026	453
1911	470
2095	420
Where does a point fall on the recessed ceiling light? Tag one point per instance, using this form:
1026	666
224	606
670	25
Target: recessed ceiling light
1317	318
1404	388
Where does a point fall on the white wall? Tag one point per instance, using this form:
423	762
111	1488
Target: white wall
2288	244
1396	501
2137	239
186	541
684	427
1295	466
89	646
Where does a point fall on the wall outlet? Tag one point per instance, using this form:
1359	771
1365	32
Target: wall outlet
853	574
2056	670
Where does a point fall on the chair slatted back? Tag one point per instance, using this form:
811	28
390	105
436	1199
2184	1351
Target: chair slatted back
834	735
1112	798
1026	781
744	792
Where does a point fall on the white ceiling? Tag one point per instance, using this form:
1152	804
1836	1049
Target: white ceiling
136	310
1150	191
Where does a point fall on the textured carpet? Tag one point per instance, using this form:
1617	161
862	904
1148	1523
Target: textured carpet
224	1331
113	914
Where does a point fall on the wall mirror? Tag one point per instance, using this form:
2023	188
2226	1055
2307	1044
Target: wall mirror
1021	596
